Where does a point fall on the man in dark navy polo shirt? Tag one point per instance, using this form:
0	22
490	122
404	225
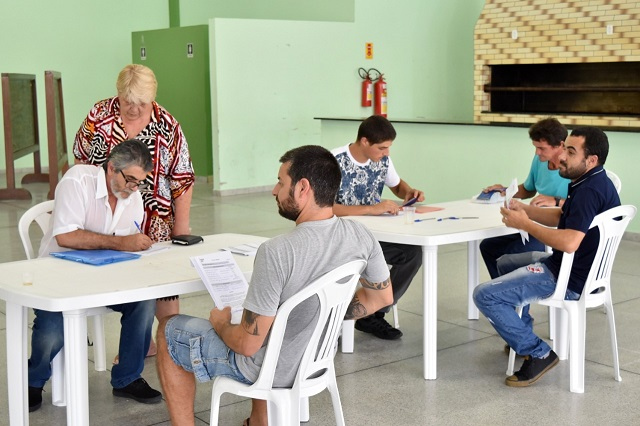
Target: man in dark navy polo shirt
590	193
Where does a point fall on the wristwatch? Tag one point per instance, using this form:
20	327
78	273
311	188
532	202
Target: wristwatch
557	201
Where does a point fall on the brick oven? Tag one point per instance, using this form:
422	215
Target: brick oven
576	60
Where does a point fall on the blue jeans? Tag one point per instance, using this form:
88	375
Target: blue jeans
492	248
135	335
195	346
510	262
498	298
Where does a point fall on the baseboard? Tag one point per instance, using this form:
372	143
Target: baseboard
241	191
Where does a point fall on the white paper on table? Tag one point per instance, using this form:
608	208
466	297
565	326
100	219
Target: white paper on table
248	249
510	192
223	279
154	249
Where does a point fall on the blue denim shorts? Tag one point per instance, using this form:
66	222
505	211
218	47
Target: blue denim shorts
195	346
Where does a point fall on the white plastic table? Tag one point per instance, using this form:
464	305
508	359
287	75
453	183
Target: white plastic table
72	288
430	234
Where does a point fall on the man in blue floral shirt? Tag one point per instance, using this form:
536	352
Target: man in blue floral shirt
366	169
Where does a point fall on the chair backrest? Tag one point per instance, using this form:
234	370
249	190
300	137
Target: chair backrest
335	291
40	213
611	225
616	180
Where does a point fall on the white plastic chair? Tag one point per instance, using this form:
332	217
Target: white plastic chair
617	183
596	292
316	372
41	214
615	180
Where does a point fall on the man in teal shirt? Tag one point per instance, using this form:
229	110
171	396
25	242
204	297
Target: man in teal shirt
547	136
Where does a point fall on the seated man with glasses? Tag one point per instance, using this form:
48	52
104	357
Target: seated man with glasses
99	208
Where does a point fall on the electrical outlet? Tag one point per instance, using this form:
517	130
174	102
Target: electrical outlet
609	29
514	34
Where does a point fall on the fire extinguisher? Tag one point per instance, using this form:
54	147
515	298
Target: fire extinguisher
367	88
380	96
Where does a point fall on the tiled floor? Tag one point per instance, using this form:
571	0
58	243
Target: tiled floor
381	383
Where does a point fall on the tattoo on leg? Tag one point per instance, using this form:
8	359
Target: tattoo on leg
375	286
355	309
250	322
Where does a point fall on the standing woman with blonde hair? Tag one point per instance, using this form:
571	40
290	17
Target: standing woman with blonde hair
167	192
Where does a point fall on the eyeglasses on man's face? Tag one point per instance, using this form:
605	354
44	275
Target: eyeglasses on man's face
131	182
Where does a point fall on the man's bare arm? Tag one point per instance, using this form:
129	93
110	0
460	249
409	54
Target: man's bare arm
244	338
370	298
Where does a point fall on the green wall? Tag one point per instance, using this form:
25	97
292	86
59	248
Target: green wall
88	42
197	12
273	77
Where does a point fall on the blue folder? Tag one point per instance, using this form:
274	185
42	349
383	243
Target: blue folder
95	257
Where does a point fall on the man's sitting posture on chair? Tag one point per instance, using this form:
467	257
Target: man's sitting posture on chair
97	208
590	193
190	348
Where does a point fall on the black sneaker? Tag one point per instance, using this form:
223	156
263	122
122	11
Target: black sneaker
140	391
35	398
532	369
379	327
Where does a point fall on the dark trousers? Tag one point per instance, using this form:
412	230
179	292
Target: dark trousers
492	248
405	261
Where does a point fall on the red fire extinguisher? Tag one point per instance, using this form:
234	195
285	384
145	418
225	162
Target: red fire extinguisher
380	96
367	88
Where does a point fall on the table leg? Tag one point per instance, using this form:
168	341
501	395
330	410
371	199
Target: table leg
76	367
17	363
473	276
430	316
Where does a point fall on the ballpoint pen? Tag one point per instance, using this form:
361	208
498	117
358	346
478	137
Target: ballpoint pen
137	226
440	219
422	220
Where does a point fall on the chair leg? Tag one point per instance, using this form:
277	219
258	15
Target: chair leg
614	340
348	331
396	320
304	409
561	343
577	335
332	387
58	397
512	353
99	350
552	323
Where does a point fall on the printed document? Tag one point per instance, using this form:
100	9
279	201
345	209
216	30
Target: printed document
510	192
223	279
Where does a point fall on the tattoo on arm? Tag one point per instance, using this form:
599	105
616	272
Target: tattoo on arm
375	286
250	322
355	309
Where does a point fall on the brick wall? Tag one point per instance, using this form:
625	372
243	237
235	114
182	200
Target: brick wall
553	31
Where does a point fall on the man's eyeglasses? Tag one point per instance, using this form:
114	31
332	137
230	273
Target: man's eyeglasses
132	183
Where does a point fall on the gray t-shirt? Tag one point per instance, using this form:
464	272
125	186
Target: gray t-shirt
286	264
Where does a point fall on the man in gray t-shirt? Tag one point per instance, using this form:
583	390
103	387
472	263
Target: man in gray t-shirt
194	348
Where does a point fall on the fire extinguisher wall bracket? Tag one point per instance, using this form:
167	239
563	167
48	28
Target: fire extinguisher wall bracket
366	93
380	96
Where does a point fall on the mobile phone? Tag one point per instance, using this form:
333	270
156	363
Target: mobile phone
410	202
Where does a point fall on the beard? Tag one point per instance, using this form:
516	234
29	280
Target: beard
120	193
574	172
288	208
